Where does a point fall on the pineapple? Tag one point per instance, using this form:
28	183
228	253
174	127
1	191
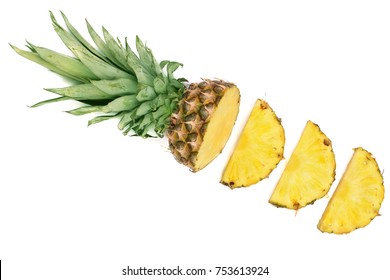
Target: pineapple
113	81
202	123
309	173
357	198
259	148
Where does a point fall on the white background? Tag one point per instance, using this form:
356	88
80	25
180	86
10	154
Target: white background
83	203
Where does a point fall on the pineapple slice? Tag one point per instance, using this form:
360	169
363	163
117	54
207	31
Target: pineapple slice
309	173
357	198
259	148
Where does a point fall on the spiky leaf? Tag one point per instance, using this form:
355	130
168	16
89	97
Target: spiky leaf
112	79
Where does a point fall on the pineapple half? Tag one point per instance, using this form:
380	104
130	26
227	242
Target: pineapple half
143	94
309	172
357	198
258	150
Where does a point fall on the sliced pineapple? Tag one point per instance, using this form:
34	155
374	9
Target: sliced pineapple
357	198
259	148
203	121
309	173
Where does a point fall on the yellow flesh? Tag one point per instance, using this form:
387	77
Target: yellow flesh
259	148
357	198
309	172
219	128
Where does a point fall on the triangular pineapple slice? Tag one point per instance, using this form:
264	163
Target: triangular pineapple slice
357	198
258	150
309	173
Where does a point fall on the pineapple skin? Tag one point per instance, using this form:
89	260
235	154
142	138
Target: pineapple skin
357	198
189	123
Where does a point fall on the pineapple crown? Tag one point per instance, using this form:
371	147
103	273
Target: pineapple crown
112	80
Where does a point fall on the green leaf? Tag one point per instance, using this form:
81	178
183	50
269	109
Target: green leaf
81	92
171	67
67	38
176	84
164	63
37	59
143	76
146	120
146	131
144	54
160	111
160	100
117	87
77	35
123	103
182	80
66	63
145	94
159	85
127	130
96	64
156	65
85	110
162	121
99	42
126	119
99	67
58	99
144	108
99	119
117	52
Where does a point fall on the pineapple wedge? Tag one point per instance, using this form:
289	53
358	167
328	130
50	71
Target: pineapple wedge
309	173
357	198
259	148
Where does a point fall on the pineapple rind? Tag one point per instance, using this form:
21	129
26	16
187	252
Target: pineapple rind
309	173
259	149
357	198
